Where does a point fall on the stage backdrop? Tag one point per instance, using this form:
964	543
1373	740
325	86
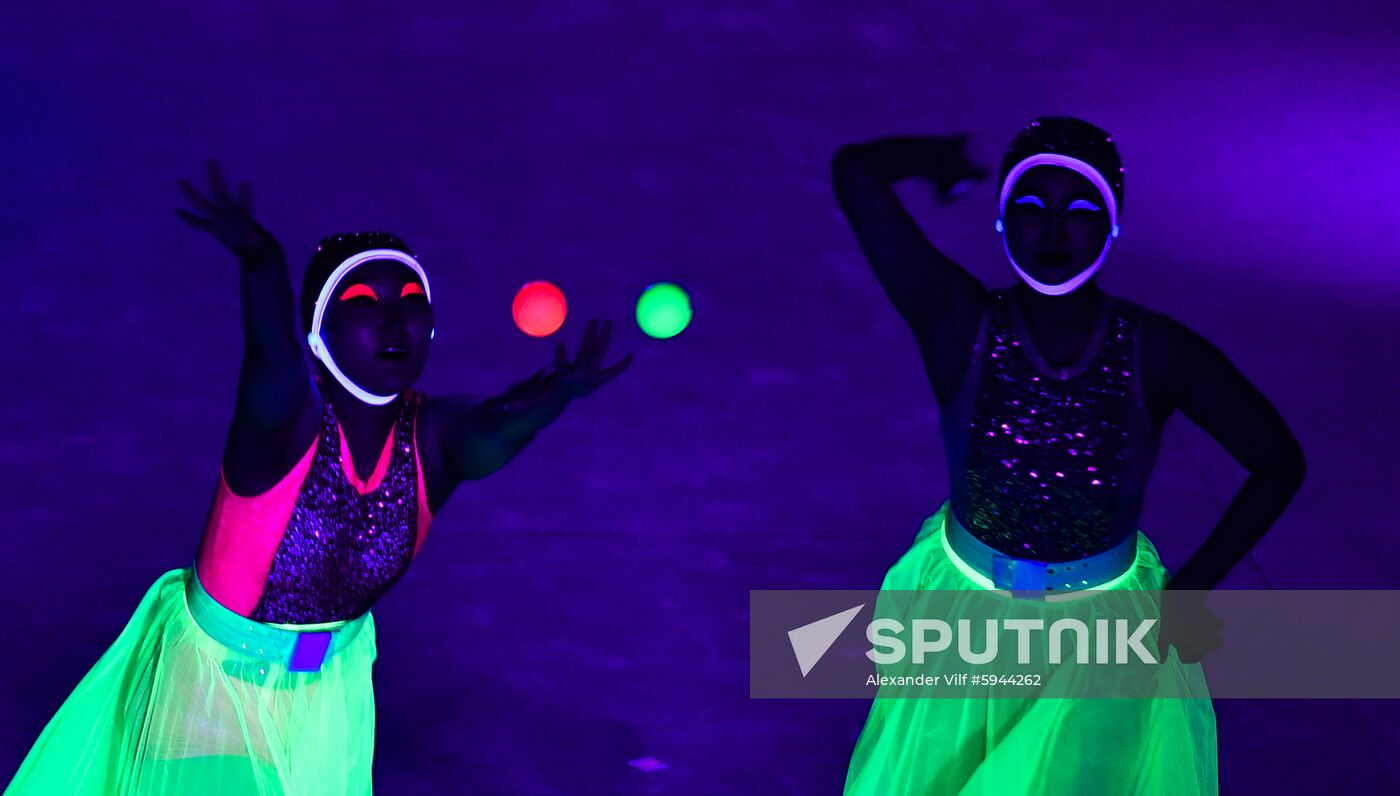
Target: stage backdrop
586	607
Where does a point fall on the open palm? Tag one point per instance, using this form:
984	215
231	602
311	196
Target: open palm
586	374
228	219
570	379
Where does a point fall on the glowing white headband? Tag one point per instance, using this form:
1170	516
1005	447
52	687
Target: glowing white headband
313	338
1105	190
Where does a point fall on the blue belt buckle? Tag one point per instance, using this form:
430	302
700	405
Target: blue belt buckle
1024	577
309	652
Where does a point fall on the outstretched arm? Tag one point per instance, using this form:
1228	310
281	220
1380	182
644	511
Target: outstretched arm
479	437
1212	392
274	380
937	298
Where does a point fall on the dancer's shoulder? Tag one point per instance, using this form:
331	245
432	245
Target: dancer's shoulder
1166	348
444	418
1165	336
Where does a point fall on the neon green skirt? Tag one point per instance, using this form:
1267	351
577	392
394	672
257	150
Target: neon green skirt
1029	746
169	710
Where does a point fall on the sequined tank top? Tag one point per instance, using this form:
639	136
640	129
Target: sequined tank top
320	546
343	550
1050	463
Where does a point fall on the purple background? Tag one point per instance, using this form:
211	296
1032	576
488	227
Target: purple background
586	606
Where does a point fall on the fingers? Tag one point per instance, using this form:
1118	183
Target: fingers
1191	647
195	221
218	200
959	189
525	384
1198	649
599	349
1192	655
592	349
613	370
196	198
589	338
216	182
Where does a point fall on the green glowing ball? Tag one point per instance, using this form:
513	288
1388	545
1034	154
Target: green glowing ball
663	310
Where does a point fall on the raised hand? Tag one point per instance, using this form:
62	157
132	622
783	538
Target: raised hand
227	218
526	393
952	172
584	374
1188	625
567	379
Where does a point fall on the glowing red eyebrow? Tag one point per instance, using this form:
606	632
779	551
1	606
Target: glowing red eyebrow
359	290
411	289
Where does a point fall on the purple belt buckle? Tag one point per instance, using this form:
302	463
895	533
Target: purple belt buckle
309	652
1024	577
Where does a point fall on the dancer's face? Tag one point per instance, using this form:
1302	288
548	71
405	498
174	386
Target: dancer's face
1056	223
377	326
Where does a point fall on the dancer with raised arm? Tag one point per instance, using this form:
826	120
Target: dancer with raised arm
250	671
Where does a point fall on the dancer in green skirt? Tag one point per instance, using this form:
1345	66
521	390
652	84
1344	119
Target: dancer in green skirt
1052	399
249	672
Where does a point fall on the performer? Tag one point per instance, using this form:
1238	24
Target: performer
250	672
1052	397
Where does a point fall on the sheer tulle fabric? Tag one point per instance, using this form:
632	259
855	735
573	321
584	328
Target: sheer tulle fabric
168	710
1030	746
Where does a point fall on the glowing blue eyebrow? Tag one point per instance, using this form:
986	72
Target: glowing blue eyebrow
1083	203
1031	199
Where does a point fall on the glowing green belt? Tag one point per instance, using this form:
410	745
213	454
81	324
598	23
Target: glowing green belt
300	648
994	569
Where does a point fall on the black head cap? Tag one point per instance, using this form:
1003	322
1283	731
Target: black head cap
1072	137
329	254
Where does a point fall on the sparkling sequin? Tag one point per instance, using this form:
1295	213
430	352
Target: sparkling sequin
343	550
1013	505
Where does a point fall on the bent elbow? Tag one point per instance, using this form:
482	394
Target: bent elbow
845	160
1298	470
1288	467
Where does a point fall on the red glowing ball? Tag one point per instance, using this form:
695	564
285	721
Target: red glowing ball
539	308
